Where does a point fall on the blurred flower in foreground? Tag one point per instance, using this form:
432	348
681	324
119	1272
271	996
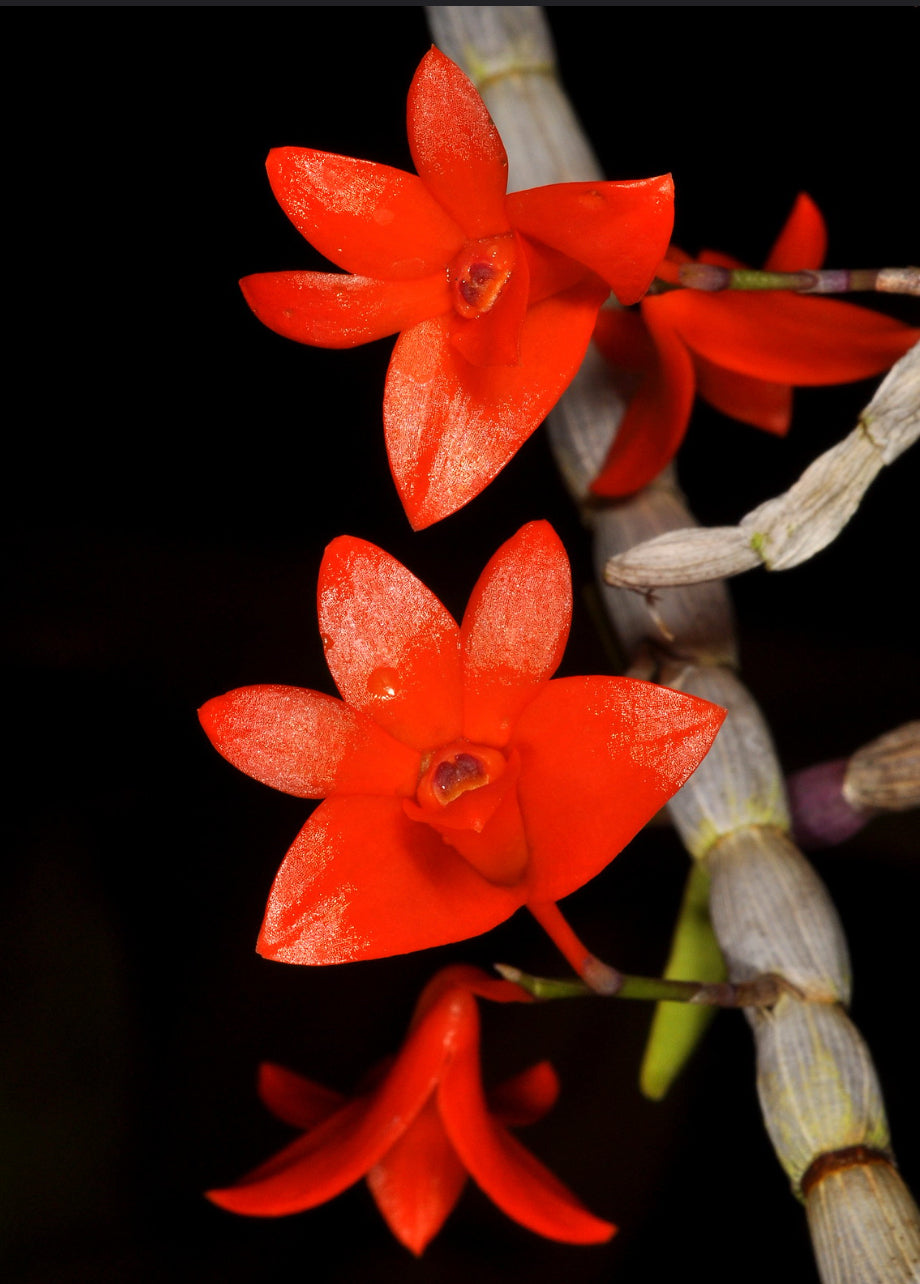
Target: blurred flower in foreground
742	351
496	296
419	1129
460	782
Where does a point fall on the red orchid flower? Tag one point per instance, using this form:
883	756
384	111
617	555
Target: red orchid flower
496	296
419	1131
741	352
460	782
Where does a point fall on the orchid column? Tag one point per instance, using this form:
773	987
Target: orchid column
817	1085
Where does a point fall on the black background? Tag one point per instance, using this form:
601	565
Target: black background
174	473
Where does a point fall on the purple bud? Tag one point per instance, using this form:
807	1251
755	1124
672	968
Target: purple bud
821	815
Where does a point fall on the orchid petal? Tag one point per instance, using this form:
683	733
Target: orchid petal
456	147
307	744
451	426
363	881
334	310
802	243
418	1181
624	340
295	1100
511	1177
552	272
311	1170
787	338
619	230
599	757
754	401
525	1098
514	630
367	218
657	416
335	1154
391	646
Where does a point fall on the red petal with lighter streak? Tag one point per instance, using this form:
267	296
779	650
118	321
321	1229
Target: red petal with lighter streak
362	880
334	310
456	147
619	230
307	744
599	757
367	218
514	630
511	1177
451	426
392	648
657	416
418	1181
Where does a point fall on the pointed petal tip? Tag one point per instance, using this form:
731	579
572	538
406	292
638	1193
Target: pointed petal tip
802	240
455	146
233	1199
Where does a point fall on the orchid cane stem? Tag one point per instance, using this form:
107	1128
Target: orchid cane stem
818	1087
762	992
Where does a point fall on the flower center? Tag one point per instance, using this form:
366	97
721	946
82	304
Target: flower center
456	775
468	794
480	272
456	769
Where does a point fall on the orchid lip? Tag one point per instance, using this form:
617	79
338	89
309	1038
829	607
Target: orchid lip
456	769
480	272
457	775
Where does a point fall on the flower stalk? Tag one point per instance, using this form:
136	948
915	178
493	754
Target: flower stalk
762	992
818	1089
712	277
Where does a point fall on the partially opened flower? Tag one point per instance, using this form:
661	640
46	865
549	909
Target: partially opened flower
417	1133
741	351
495	296
460	782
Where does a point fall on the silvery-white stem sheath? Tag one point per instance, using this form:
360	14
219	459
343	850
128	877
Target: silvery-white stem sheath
787	530
816	1082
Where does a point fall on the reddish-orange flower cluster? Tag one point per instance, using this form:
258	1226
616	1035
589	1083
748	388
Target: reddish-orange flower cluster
495	295
460	782
419	1129
741	351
